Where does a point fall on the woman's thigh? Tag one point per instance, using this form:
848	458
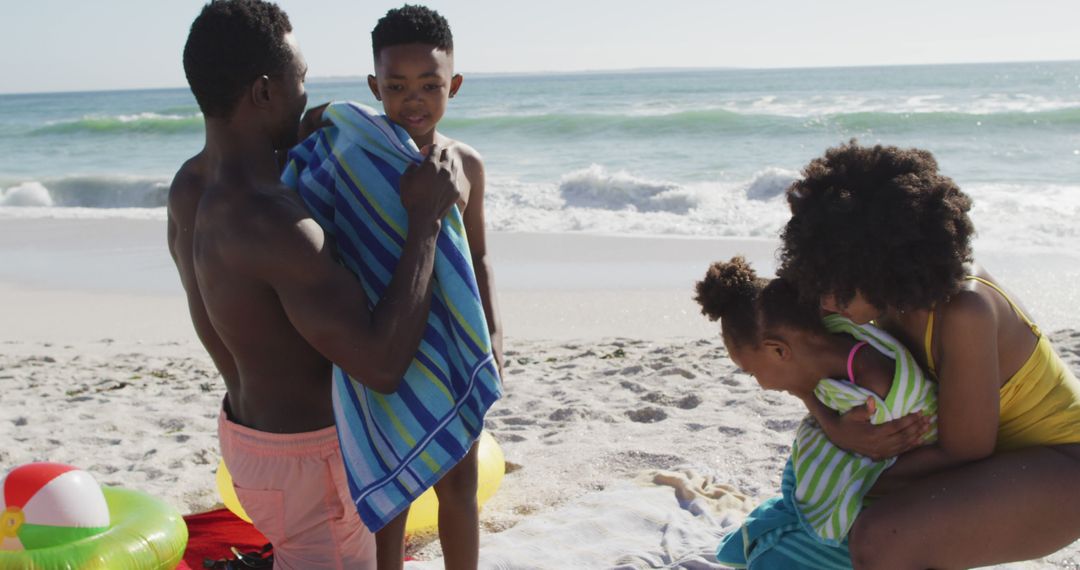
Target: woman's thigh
1011	506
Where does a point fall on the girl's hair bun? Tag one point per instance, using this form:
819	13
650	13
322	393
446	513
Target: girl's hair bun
727	288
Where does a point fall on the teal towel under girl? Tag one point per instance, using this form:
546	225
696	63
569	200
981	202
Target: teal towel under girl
774	538
830	483
396	446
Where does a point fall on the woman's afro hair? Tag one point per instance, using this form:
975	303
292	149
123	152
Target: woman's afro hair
881	221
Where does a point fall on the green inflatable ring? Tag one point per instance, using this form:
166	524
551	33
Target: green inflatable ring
146	534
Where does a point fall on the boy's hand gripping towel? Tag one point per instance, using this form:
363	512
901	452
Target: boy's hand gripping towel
396	446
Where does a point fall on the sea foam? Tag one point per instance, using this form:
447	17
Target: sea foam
1007	216
151	123
96	192
596	188
28	194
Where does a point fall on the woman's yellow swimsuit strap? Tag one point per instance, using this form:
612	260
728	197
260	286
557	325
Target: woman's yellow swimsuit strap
928	343
1040	404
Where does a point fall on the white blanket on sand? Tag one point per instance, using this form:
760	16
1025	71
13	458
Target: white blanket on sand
666	519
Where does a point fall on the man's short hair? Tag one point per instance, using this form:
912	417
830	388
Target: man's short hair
412	24
231	44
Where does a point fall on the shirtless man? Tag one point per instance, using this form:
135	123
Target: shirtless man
268	299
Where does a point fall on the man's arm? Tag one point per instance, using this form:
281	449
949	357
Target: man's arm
326	302
473	167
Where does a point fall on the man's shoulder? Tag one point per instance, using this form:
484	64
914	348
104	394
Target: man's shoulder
259	210
188	182
274	219
276	235
258	231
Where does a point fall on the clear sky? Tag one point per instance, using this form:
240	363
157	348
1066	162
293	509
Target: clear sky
64	45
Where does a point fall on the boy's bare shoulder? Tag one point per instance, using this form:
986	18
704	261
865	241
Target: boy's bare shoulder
472	169
465	151
469	157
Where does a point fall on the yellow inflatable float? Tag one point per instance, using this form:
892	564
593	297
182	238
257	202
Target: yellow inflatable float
424	513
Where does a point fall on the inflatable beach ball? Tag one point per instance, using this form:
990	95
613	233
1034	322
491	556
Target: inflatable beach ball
49	504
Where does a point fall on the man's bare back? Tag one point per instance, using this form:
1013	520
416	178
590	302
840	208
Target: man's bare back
275	300
184	194
281	384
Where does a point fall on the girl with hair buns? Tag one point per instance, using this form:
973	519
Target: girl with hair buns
785	345
878	234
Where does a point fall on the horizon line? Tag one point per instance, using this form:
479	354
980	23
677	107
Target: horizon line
555	73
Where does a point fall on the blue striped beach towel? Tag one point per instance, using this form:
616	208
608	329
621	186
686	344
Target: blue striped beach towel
396	446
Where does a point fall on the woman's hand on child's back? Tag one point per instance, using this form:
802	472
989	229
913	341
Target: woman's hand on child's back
854	432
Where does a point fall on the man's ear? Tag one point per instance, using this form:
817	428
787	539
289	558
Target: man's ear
260	91
373	84
455	84
777	349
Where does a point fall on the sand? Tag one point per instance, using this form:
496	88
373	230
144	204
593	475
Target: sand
608	379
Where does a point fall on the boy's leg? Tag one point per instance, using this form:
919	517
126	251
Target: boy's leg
390	543
459	516
1013	506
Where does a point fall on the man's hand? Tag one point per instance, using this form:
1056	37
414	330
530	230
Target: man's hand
312	121
429	189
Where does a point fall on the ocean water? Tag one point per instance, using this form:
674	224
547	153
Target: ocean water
678	153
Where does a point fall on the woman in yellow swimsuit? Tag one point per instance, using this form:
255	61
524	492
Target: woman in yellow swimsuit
879	234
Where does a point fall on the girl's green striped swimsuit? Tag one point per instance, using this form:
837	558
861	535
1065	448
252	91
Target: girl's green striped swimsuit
831	483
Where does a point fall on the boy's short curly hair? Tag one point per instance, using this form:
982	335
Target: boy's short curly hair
231	43
412	24
878	220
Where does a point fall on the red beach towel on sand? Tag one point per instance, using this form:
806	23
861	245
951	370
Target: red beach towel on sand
211	534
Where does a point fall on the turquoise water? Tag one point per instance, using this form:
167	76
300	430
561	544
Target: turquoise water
659	153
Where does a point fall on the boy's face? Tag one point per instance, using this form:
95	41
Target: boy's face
414	82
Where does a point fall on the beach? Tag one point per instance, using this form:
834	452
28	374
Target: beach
630	439
612	377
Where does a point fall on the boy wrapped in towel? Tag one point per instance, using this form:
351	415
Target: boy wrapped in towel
395	446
